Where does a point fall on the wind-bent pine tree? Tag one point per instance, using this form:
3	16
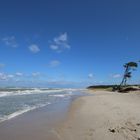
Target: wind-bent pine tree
129	67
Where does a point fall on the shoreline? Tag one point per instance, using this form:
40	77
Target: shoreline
29	106
99	115
21	112
36	124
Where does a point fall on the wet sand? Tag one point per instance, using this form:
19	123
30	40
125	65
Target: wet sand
38	124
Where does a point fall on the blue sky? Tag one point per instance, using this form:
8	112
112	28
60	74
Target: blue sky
68	43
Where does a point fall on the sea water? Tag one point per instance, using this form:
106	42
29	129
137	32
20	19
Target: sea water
16	101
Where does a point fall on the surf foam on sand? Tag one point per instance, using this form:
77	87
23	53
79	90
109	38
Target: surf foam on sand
14	102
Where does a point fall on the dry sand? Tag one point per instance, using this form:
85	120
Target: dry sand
103	116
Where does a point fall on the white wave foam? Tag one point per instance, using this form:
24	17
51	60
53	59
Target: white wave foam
28	92
20	112
66	94
59	95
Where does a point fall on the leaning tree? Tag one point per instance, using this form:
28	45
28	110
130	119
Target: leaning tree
129	67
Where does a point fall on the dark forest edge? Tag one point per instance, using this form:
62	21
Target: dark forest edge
126	88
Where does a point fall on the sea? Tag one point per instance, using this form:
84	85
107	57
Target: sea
16	101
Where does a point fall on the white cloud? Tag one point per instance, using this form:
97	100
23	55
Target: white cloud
61	38
60	43
54	63
54	47
10	41
35	74
116	76
10	76
6	76
34	48
19	74
90	75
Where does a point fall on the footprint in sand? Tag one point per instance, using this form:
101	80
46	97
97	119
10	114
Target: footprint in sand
128	130
89	134
138	124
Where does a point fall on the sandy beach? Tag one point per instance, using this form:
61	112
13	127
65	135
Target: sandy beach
69	69
100	115
103	116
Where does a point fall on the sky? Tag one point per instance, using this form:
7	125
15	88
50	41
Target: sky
68	43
